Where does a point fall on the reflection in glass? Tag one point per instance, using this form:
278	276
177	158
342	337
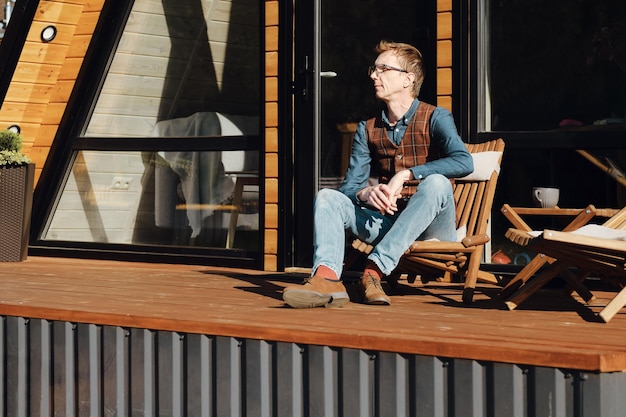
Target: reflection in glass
349	97
561	68
177	58
204	199
7	11
180	69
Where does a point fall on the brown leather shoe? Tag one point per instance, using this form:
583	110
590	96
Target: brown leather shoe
373	292
316	291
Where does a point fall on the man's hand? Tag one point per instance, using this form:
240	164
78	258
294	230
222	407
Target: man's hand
379	197
384	197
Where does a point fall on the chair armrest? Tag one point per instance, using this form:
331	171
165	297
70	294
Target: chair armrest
435	246
475	240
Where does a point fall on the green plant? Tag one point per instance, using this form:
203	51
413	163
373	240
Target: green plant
11	149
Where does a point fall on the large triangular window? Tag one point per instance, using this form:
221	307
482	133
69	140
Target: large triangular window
166	159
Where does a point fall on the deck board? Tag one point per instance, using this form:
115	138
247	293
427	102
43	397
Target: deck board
548	330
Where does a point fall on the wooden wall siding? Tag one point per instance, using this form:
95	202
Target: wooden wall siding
271	136
35	98
444	53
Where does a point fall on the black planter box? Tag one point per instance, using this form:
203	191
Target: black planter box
16	201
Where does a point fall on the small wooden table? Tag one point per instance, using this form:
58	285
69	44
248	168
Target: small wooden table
516	291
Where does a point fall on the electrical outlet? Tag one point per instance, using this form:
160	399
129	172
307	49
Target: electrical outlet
120	183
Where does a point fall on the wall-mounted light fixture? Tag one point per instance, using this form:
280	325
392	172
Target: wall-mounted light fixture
14	129
48	33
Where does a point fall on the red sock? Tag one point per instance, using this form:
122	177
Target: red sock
372	269
326	272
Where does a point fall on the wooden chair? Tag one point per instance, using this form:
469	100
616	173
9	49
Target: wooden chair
598	250
445	260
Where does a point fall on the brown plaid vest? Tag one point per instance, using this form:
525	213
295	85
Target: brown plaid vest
414	149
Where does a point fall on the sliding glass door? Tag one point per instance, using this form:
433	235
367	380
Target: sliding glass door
334	46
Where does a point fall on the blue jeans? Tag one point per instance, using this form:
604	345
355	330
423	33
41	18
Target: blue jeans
430	213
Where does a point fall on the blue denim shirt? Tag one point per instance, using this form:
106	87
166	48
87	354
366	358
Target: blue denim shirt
456	163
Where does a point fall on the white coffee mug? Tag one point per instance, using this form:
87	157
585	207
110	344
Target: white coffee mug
546	197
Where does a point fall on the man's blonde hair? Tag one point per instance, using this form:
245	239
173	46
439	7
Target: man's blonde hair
410	59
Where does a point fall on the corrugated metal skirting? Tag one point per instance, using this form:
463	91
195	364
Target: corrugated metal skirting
52	368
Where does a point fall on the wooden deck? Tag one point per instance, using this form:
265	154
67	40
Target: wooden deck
549	330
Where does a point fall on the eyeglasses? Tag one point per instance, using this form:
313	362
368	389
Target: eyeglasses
380	68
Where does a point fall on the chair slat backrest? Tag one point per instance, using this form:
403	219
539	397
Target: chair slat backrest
617	221
474	199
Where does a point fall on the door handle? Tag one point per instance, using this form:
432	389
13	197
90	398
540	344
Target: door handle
328	74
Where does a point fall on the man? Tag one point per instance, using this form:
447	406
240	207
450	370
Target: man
413	148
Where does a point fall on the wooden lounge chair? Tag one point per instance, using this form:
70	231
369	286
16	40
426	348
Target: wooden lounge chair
444	260
598	250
